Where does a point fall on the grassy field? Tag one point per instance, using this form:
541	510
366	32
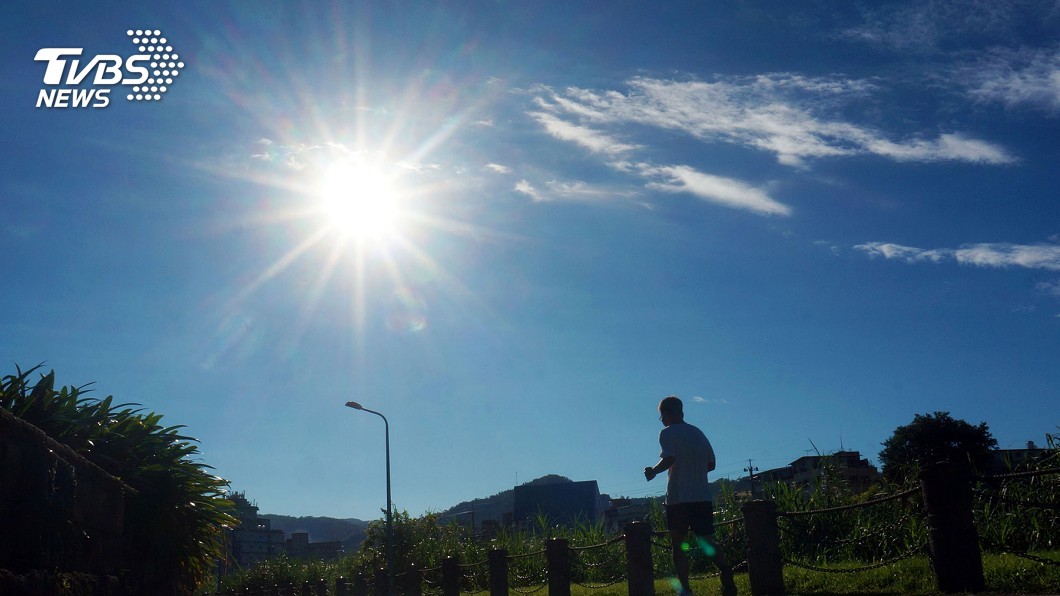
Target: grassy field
1005	574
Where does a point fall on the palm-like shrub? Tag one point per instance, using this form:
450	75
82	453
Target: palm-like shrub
173	523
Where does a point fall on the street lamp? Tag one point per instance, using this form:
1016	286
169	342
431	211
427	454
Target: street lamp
389	522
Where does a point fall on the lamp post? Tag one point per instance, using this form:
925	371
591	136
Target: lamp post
389	522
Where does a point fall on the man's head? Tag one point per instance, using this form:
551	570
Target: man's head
671	410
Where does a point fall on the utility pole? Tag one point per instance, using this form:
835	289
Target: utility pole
751	476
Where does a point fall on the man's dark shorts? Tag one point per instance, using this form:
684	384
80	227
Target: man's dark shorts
697	516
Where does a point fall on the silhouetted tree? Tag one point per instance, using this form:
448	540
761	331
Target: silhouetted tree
932	438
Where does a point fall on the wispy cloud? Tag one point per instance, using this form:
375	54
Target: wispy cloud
716	189
1052	288
1017	78
926	25
574	190
524	187
998	255
498	168
712	401
592	140
948	147
788	115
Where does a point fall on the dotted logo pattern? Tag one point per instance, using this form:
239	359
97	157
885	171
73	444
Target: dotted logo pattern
165	64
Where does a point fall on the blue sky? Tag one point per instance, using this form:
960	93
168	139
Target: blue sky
810	220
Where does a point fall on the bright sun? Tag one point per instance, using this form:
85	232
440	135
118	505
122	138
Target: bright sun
359	200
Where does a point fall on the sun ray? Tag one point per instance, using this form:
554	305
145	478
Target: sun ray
282	263
315	293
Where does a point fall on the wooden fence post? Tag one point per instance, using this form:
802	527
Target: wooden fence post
557	553
451	577
498	572
639	574
952	537
413	581
765	568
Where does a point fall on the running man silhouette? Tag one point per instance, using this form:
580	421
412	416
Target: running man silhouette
687	457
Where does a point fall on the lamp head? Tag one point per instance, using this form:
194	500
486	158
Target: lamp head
354	405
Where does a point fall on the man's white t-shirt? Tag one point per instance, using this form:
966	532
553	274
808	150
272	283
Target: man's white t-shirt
693	458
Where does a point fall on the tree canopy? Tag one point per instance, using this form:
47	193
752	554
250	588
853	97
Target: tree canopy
931	438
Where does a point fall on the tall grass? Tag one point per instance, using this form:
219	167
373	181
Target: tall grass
427	543
1021	514
870	534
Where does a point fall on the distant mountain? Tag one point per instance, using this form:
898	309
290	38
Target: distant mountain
321	529
494	507
351	531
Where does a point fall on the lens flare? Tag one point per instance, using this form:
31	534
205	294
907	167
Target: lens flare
706	547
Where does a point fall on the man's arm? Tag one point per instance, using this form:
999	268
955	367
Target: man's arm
663	465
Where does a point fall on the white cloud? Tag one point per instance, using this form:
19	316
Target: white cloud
716	189
714	400
785	114
266	152
593	140
498	168
527	189
788	115
1029	77
946	147
1000	255
908	254
582	191
574	190
1037	256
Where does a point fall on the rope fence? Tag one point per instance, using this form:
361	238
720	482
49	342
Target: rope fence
594	567
877	501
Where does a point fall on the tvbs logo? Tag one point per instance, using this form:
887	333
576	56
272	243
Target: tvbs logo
146	75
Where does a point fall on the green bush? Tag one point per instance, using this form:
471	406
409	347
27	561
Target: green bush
173	522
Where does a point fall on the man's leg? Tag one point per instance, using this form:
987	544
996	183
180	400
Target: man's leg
712	550
677	547
703	529
677	522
